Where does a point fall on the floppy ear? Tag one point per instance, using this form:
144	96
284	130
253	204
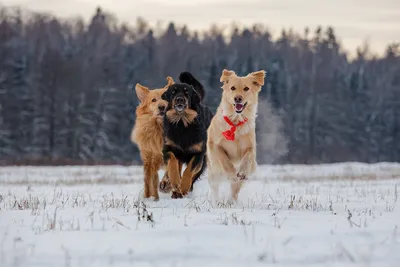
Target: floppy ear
225	75
195	98
170	81
141	92
258	77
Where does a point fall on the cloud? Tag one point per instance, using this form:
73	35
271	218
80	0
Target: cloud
374	19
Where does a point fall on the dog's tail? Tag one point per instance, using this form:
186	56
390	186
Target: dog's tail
187	77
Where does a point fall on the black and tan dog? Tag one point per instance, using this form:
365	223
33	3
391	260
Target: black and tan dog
185	132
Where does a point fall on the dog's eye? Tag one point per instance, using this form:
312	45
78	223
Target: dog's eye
246	89
233	88
153	100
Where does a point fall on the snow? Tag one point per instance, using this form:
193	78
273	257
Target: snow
88	216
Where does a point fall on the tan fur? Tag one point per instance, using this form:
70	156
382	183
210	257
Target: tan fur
173	172
196	147
165	184
147	134
169	142
180	184
234	159
187	177
187	116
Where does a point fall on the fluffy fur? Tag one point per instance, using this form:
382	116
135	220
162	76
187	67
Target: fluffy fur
235	159
185	132
147	134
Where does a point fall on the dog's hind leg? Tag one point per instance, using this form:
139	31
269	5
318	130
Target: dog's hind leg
235	189
198	175
214	183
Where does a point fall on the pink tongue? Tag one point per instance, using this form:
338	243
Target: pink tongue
239	106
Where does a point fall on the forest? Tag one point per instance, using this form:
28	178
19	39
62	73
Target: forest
67	97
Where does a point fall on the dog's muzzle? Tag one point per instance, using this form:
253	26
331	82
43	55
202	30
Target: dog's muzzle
180	104
239	107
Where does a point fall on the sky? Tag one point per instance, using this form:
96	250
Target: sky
355	21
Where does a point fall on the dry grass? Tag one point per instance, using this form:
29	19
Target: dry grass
74	182
283	213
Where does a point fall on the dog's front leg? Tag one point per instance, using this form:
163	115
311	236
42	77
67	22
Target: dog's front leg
193	168
165	184
219	154
154	185
247	164
174	174
147	174
156	163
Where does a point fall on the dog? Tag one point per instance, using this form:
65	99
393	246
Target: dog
147	134
185	132
231	145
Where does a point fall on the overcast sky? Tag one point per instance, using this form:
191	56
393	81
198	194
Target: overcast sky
355	21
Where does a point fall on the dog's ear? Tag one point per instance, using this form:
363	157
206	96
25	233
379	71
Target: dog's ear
166	96
141	92
225	75
170	81
258	77
195	98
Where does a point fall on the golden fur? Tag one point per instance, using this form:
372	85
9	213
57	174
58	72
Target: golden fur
147	134
234	159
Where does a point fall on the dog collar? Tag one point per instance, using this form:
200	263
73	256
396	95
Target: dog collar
230	134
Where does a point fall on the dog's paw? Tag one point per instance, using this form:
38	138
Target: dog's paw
241	176
233	178
146	194
165	186
176	195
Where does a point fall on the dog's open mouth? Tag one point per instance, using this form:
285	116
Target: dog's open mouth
179	107
239	107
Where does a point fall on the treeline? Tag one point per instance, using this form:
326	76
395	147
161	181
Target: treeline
66	88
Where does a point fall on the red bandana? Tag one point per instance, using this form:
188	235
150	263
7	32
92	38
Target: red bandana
230	134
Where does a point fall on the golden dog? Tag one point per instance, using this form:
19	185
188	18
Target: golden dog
231	145
147	134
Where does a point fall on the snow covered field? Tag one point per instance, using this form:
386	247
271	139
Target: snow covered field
293	215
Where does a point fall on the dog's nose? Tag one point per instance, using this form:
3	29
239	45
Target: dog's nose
161	108
180	100
238	99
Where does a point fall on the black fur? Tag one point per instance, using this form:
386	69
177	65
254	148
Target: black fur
186	136
187	77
